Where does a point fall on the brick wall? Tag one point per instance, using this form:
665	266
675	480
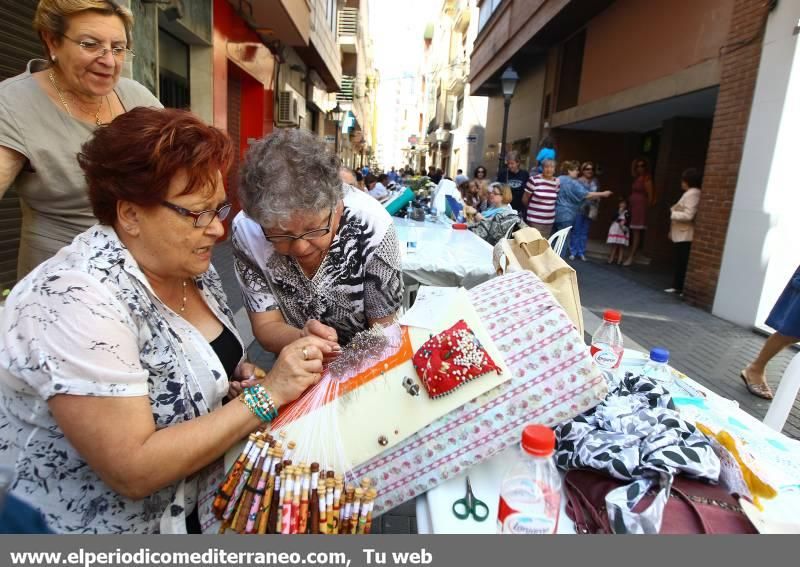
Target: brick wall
740	60
683	144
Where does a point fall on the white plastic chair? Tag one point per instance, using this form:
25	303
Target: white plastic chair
557	240
784	398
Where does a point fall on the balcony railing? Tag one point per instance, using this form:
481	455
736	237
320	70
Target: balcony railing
348	23
348	89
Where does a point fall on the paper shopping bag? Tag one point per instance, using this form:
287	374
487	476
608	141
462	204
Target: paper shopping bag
527	249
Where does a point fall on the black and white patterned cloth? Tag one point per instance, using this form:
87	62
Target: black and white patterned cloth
87	323
359	279
636	435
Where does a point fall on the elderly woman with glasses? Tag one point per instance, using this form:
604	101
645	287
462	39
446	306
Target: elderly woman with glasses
313	256
116	354
499	217
48	111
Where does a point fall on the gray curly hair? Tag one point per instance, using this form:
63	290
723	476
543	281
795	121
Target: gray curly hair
285	172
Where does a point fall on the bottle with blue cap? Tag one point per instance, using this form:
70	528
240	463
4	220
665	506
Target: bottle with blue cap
657	368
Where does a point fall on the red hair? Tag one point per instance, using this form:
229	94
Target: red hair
135	157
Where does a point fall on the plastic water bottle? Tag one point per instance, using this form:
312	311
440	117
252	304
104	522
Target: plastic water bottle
657	367
409	210
530	497
607	348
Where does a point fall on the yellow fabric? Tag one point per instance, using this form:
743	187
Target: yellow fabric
758	488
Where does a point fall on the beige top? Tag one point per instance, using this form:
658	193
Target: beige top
52	190
682	215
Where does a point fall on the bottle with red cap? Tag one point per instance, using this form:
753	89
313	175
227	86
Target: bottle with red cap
530	497
607	348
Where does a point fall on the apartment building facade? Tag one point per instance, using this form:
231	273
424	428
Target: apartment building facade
616	80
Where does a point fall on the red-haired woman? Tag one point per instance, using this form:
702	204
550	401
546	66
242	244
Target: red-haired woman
116	353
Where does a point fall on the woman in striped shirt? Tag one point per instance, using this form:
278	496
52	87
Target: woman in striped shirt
539	199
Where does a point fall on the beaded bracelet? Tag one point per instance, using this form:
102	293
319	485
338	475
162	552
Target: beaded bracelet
259	402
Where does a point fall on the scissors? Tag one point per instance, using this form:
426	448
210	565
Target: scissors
468	506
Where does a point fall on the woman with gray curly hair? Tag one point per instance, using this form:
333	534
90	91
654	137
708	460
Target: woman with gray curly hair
313	256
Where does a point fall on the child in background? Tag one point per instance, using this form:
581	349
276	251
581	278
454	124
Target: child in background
619	233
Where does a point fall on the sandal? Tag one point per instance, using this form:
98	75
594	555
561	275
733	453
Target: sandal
760	390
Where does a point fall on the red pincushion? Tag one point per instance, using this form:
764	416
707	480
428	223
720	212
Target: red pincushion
451	359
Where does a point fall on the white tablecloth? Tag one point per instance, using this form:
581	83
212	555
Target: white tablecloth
433	253
434	513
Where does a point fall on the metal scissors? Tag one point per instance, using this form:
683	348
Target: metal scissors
468	506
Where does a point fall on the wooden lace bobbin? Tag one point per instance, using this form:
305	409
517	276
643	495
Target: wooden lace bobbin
313	499
232	478
323	505
230	509
296	496
358	495
348	510
304	495
281	496
286	511
330	501
362	517
337	502
239	521
251	526
274	504
262	517
371	496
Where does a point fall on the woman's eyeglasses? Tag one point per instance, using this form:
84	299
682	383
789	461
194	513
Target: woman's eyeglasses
97	50
201	218
310	235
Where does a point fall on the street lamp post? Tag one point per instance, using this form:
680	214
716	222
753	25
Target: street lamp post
509	80
336	115
441	137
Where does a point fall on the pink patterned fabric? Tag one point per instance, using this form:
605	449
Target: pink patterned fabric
553	381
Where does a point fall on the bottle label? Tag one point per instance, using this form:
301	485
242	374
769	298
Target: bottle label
511	521
605	356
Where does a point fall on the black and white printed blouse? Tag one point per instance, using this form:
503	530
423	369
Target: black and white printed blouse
359	279
87	323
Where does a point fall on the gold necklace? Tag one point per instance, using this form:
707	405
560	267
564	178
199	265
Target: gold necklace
52	77
183	303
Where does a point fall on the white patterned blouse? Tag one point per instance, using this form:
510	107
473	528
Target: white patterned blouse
87	323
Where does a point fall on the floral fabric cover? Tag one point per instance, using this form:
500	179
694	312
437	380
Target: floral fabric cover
554	379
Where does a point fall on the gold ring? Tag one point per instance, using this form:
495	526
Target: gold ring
305	353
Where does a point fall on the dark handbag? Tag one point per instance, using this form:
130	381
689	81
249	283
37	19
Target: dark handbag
694	506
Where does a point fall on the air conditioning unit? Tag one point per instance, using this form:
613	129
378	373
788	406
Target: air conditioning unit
288	108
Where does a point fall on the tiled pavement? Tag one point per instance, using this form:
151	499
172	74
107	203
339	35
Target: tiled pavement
709	349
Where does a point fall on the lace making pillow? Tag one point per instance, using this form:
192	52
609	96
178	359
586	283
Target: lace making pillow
451	359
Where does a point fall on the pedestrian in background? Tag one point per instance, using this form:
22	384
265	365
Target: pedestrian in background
479	173
498	218
681	230
50	110
547	150
586	214
374	187
540	197
642	196
571	196
516	179
619	233
785	319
